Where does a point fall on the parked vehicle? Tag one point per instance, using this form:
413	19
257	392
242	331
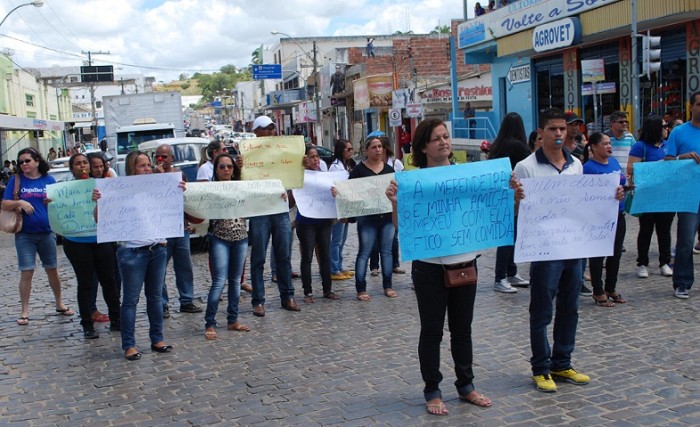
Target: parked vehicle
186	150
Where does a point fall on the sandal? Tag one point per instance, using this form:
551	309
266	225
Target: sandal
23	321
616	298
476	399
436	407
237	327
132	356
210	334
309	299
65	311
602	301
363	296
390	293
98	317
331	295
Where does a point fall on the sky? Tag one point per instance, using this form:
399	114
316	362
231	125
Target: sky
167	38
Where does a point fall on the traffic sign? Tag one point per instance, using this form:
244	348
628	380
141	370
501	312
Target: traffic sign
394	117
267	71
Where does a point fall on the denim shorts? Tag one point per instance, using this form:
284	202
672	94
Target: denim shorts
29	244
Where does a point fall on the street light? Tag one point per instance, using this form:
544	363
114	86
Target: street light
317	98
36	3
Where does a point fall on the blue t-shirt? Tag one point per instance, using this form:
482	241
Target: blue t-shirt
591	167
34	192
648	153
684	139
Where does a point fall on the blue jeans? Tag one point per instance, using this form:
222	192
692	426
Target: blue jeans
549	280
178	249
273	261
261	228
683	268
369	230
227	260
339	234
142	268
374	256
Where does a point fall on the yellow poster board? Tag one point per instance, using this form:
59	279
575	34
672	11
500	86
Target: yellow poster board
274	157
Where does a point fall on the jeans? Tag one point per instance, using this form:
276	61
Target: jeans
339	234
178	249
88	260
562	280
505	265
662	221
369	230
28	245
142	267
683	268
374	257
612	263
433	300
273	261
315	236
261	228
227	260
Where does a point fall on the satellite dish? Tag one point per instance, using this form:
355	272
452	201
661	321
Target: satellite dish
8	52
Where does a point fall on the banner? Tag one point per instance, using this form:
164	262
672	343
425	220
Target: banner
315	200
274	157
567	217
455	209
666	187
235	199
363	196
140	207
71	211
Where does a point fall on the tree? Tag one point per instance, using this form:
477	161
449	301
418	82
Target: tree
183	76
441	29
229	69
257	56
401	33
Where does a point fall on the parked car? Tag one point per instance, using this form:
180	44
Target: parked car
186	150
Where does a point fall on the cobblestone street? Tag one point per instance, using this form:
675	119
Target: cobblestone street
347	362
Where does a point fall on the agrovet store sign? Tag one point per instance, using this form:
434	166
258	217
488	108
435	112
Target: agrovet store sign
556	35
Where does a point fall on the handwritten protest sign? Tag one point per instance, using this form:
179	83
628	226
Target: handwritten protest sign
666	187
315	199
141	207
363	196
455	209
275	157
235	199
71	209
567	217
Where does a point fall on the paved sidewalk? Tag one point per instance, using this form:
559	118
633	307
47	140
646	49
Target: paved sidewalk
347	362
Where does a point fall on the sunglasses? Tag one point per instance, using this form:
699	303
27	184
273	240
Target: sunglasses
223	166
25	161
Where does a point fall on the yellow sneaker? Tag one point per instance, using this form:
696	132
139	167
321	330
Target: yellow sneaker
570	375
339	276
544	383
349	273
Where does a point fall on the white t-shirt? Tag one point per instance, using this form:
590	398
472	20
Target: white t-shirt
206	171
395	163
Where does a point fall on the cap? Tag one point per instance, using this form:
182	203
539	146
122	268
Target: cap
262	122
572	117
376	134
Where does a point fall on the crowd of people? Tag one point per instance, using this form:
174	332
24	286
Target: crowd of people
557	147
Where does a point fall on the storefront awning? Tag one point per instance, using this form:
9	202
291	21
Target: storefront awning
25	123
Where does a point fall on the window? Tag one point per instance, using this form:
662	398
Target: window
29	99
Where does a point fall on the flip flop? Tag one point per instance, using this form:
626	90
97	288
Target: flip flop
210	334
438	408
363	296
23	321
238	327
476	399
65	311
390	293
616	298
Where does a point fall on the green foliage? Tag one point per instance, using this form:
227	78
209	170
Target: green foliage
441	29
185	86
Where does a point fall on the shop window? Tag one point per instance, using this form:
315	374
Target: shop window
29	100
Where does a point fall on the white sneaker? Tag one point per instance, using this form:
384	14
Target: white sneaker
666	271
680	293
642	272
504	286
518	281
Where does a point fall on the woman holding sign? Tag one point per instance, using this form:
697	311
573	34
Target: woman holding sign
90	259
227	251
598	160
432	147
339	232
36	236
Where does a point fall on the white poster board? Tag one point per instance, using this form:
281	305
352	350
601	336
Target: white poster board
235	199
315	200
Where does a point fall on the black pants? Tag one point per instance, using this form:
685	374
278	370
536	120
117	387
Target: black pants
433	300
315	236
612	263
87	260
647	222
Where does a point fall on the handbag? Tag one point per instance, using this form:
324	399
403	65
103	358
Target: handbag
463	274
11	221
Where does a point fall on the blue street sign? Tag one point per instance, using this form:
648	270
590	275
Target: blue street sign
267	71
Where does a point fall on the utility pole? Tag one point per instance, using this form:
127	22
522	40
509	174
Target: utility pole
92	89
319	126
636	116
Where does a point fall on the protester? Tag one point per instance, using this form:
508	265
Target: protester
432	147
227	252
620	137
373	227
342	161
206	169
598	160
684	143
652	148
510	143
36	236
314	235
573	129
89	260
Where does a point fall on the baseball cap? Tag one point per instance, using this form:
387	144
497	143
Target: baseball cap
262	122
572	117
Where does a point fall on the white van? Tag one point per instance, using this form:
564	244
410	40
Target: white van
186	150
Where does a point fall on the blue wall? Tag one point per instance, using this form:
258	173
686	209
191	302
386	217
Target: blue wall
519	97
